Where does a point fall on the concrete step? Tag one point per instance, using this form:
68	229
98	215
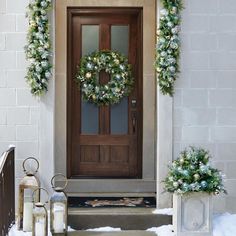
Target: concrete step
121	233
124	218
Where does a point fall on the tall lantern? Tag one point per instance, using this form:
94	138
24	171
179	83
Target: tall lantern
40	216
25	205
59	208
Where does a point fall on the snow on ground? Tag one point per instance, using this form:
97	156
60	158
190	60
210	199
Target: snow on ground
165	230
15	232
223	225
105	229
166	211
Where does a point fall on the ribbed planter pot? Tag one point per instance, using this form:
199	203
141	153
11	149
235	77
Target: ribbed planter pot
192	214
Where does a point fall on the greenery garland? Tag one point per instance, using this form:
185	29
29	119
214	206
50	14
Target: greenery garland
168	46
120	84
38	48
191	172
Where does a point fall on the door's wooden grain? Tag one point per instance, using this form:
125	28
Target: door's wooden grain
104	154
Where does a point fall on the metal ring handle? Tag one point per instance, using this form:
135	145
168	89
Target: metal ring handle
30	158
56	175
38	189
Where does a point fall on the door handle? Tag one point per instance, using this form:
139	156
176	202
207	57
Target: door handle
134	123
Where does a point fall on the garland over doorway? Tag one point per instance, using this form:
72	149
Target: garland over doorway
38	48
168	46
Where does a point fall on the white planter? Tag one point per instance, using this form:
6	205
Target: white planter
192	214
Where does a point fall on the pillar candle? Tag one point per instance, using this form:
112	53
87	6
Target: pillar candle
40	227
27	216
58	222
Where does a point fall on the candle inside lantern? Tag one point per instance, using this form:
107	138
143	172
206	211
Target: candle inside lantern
27	216
40	227
58	222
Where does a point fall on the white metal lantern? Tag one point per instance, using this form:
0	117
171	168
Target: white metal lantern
25	205
59	208
40	218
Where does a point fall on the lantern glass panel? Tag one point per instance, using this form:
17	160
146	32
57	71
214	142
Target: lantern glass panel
25	208
40	221
59	213
27	214
40	226
26	187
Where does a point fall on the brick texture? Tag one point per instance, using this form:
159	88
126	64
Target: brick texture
206	115
18	108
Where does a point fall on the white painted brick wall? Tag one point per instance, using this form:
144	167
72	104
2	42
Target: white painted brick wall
18	109
16	7
2	79
205	99
7	22
2	6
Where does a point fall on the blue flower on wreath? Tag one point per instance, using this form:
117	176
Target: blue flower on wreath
90	66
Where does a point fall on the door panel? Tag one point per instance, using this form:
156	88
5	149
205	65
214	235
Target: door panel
104	141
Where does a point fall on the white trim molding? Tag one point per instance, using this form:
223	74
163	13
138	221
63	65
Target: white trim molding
164	146
164	139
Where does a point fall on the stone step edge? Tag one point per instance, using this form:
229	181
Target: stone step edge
113	211
113	233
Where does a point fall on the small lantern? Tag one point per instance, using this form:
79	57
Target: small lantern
40	217
25	205
58	208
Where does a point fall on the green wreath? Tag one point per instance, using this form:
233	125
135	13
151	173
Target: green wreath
120	84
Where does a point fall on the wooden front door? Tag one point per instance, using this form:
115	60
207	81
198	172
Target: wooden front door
104	141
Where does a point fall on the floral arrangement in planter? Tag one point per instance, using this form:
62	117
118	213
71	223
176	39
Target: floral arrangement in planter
192	172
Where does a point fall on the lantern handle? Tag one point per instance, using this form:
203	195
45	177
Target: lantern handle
56	175
28	172
39	189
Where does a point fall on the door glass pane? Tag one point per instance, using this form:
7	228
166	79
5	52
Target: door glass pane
120	38
119	117
90	38
119	112
89	111
89	118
